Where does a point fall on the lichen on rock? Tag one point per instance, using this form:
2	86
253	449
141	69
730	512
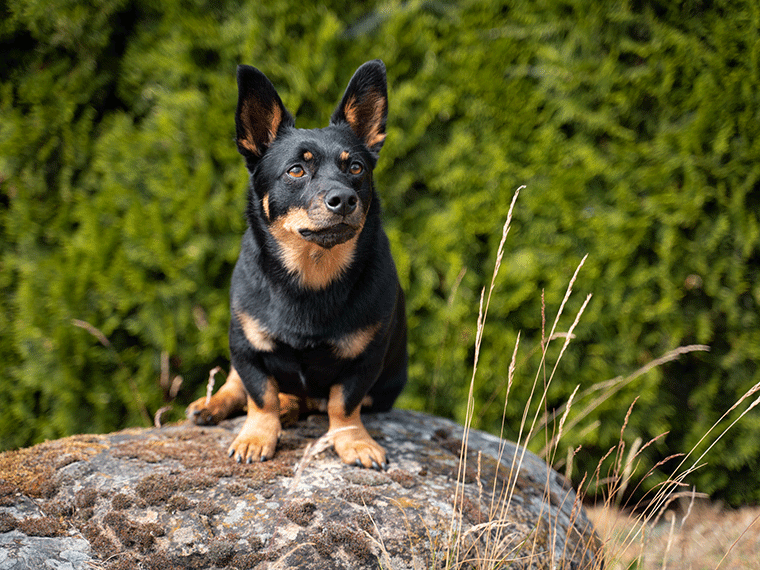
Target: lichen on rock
171	498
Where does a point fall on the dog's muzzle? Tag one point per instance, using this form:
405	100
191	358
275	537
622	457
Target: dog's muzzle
330	236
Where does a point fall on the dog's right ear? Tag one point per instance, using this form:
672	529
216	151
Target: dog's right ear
260	114
365	105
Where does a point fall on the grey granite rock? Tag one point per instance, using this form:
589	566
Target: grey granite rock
170	498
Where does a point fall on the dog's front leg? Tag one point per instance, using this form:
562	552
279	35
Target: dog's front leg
257	440
351	440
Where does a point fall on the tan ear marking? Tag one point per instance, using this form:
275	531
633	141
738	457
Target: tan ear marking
373	134
366	119
257	120
248	145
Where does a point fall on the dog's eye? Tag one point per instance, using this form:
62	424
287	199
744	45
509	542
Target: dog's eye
355	168
296	171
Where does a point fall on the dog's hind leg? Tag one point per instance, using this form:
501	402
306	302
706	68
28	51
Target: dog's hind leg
228	400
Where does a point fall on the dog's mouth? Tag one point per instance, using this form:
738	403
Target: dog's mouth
330	236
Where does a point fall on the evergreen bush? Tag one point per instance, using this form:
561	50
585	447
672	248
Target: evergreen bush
634	125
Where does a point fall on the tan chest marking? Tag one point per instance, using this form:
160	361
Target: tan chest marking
315	266
256	334
353	344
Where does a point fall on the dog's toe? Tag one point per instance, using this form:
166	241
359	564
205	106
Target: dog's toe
199	415
253	447
360	451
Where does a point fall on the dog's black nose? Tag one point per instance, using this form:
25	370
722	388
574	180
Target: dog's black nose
341	201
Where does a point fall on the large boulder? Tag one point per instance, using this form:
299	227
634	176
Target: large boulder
170	497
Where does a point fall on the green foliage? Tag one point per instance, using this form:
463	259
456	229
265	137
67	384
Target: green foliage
634	125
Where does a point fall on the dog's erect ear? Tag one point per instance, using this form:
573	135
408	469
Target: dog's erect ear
260	113
365	105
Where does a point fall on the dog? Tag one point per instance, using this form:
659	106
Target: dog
317	311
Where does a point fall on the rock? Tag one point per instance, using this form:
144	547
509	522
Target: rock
171	498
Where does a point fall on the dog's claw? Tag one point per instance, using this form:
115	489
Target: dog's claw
358	463
375	466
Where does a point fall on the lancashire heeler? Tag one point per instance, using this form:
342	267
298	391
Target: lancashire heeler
317	312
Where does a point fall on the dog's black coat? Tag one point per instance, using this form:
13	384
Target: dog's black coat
298	172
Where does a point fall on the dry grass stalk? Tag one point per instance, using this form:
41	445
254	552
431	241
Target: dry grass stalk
667	489
501	498
707	537
664	494
159	415
610	387
455	527
211	380
311	451
486	546
738	539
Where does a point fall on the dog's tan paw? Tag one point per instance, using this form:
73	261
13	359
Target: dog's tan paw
204	413
356	447
255	443
228	400
257	440
250	448
350	438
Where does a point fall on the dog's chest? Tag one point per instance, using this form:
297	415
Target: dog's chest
308	371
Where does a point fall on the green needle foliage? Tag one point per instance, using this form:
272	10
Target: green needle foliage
634	125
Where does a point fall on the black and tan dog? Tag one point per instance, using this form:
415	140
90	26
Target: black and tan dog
317	309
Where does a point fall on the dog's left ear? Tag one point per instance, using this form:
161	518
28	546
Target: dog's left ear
365	105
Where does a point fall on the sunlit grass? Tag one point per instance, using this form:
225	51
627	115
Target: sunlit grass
647	539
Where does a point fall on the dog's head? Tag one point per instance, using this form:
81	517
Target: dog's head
312	189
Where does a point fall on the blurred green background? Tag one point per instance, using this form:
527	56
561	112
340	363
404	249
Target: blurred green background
635	127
